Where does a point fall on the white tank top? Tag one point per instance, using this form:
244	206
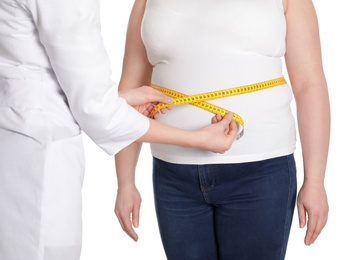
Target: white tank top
198	46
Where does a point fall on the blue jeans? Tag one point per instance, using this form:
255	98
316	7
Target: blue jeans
238	211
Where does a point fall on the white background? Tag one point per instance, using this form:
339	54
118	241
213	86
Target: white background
103	238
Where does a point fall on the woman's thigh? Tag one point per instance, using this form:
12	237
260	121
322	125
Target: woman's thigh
185	220
254	210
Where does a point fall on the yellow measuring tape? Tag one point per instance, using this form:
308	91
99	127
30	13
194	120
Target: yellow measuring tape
198	100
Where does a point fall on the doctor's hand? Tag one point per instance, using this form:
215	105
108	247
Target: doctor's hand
144	98
127	208
220	135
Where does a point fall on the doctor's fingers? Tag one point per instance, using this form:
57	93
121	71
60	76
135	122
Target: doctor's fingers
217	118
153	95
226	120
232	129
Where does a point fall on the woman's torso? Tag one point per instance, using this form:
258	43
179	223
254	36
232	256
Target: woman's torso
201	46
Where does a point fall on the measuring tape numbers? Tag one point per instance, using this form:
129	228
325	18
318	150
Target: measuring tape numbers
198	100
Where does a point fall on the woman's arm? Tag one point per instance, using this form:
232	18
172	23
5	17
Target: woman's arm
304	65
136	72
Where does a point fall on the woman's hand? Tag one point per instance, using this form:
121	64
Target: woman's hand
144	98
127	209
312	209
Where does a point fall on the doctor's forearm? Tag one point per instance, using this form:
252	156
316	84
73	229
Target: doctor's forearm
165	134
216	137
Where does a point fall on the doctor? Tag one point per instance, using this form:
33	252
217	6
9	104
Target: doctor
55	82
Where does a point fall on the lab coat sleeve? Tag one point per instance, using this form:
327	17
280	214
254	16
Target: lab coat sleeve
70	32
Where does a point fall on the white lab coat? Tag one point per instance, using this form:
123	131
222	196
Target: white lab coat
54	82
